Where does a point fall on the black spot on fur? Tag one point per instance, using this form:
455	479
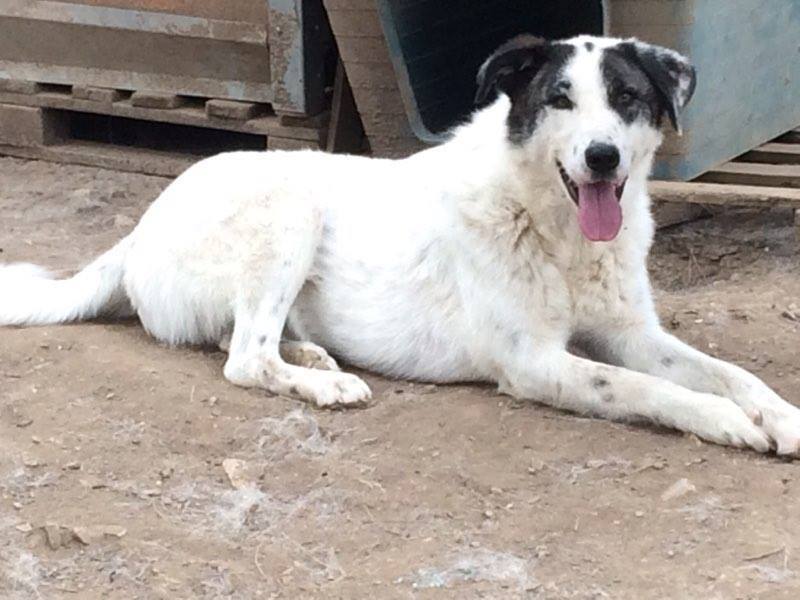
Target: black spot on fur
589	46
608	398
529	71
293	390
667	361
651	76
262	340
630	92
600	382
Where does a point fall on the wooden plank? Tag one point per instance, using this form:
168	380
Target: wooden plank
251	11
123	19
345	134
721	194
97	94
30	126
19	86
118	158
70	54
743	173
217	108
187	115
773	153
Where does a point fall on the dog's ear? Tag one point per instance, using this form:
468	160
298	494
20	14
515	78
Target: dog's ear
511	67
672	75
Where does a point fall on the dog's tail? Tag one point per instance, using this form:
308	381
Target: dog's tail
30	296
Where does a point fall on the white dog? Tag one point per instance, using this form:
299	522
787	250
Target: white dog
478	260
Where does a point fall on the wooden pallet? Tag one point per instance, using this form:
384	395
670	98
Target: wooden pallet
765	177
35	121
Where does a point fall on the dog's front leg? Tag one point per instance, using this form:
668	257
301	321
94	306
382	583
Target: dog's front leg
652	350
566	381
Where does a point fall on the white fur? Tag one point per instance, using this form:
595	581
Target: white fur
464	262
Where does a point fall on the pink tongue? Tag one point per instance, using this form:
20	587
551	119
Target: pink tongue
599	212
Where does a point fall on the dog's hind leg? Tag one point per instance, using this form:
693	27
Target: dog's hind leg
307	354
270	287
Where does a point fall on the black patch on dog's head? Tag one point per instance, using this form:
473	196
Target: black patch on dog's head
589	46
644	81
528	70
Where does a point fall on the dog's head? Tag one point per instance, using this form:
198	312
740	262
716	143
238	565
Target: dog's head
592	109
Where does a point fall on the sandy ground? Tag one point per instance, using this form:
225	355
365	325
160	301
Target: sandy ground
115	452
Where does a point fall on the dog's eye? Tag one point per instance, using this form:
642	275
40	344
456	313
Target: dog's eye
561	102
626	96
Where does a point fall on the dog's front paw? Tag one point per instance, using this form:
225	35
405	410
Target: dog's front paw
723	422
340	390
781	422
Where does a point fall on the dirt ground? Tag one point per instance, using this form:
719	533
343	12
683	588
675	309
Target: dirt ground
130	470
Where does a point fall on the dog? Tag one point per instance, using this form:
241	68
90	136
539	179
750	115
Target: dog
481	259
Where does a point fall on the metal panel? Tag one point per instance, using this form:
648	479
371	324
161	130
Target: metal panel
746	55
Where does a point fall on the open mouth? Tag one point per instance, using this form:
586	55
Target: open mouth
599	209
573	189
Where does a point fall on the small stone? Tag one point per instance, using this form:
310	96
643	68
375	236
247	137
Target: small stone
24	527
36	439
31	462
488	514
72	465
639	514
23	422
151	492
56	536
236	470
16	505
96	533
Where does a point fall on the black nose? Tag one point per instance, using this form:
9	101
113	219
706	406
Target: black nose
602	158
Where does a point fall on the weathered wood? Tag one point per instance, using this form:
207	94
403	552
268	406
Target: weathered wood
97	94
217	108
299	40
724	195
318	121
118	158
278	143
186	115
773	153
743	173
20	86
30	126
175	25
251	11
346	133
153	99
72	53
